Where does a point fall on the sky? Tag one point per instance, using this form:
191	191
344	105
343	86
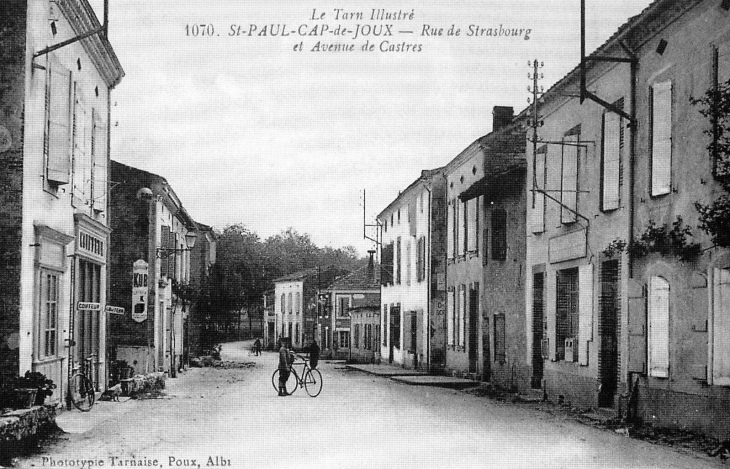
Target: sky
249	129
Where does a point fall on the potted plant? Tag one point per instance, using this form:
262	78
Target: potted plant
43	385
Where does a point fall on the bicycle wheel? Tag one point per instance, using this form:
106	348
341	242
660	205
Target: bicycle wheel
294	381
81	391
313	382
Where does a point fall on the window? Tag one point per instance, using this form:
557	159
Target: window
290	332
297	302
395	325
282	304
376	341
408	262
56	150
538	183
720	345
500	355
291	303
296	334
472	208
567	315
569	176
450	326
398	266
48	336
461	231
658	327
421	259
356	336
499	234
611	159
661	138
98	162
344	339
343	304
465	225
81	161
387	264
450	231
462	314
385	322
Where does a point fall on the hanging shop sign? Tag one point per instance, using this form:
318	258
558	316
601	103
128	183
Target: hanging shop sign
88	306
140	274
114	310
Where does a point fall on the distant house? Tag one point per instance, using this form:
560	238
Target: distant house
365	333
295	302
355	290
413	269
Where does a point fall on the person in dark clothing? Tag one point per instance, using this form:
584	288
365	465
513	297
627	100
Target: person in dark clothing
285	361
257	347
313	354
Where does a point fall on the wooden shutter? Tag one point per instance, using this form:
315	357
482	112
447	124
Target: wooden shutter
397	266
569	180
459	221
551	315
721	327
462	314
450	317
538	198
637	328
99	160
450	230
472	212
611	160
164	240
58	112
661	146
658	327
585	305
386	264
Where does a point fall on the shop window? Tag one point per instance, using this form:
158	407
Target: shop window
567	315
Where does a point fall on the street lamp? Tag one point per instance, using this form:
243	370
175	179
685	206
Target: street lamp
190	238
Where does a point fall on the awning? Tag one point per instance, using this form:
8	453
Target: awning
504	179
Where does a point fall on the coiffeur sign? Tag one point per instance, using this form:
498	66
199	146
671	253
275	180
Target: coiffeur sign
139	290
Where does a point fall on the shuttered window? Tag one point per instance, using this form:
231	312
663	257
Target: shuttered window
450	230
81	171
387	264
472	224
408	262
397	265
585	308
658	327
164	244
297	302
450	317
538	198
282	304
462	314
48	346
499	234
566	313
99	160
460	228
661	138
56	146
421	259
721	327
611	164
569	178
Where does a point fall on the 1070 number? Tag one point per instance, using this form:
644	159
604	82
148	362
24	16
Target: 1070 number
199	30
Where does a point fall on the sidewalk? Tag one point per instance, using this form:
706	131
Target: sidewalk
384	370
413	377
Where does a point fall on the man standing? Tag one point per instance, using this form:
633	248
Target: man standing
285	361
257	347
314	354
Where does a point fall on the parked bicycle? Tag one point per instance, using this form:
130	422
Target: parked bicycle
308	378
80	388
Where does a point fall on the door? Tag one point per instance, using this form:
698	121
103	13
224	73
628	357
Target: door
473	344
414	338
538	312
607	330
486	356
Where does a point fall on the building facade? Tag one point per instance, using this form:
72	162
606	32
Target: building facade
413	275
630	289
150	274
202	260
54	227
494	326
365	334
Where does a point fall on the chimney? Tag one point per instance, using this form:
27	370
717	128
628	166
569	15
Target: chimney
501	117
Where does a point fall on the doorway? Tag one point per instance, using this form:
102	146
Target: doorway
538	311
473	328
608	333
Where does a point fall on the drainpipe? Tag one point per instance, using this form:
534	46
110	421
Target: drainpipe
632	158
428	282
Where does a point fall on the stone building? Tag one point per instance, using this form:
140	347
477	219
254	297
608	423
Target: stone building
202	259
413	275
624	304
150	270
496	349
54	225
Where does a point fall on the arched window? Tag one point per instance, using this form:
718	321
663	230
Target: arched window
291	304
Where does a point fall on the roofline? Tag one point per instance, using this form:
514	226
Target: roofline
425	175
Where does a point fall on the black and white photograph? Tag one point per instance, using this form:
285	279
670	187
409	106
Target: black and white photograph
325	234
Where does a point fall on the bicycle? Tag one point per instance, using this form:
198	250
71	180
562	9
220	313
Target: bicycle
310	378
80	388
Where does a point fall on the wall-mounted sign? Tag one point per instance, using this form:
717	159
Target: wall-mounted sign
358	296
568	246
114	310
140	275
88	306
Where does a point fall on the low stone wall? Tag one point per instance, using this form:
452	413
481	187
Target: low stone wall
140	384
20	427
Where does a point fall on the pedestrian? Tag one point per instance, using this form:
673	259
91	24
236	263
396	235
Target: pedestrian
257	346
313	354
285	361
